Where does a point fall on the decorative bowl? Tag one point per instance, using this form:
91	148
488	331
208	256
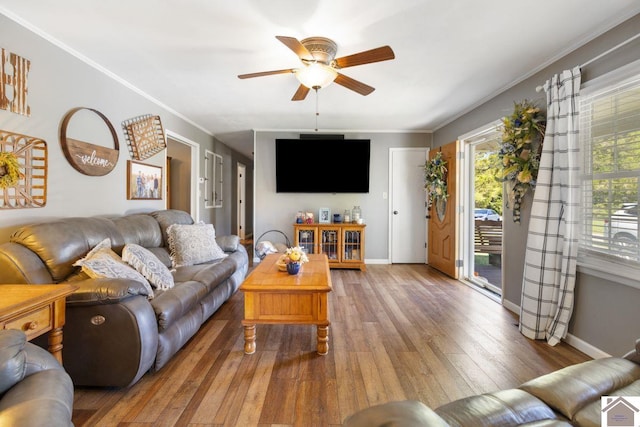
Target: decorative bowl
281	263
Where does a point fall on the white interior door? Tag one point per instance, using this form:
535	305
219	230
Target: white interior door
241	199
408	229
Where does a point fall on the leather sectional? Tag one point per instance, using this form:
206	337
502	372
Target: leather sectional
568	397
114	333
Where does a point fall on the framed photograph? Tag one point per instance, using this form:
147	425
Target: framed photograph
144	182
324	216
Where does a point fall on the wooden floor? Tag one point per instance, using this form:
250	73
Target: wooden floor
397	332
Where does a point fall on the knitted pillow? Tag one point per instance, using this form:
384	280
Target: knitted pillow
108	264
147	264
193	244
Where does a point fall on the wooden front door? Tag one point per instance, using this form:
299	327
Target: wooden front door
442	246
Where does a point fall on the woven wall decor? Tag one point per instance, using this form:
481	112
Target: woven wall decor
13	83
30	190
144	136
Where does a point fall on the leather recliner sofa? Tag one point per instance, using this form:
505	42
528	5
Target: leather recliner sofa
114	333
34	389
567	397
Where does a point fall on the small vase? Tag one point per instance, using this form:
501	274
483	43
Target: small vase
293	268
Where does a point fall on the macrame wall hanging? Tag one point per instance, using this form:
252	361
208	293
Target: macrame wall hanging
23	171
144	136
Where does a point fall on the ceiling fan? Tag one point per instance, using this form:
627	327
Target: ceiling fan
320	67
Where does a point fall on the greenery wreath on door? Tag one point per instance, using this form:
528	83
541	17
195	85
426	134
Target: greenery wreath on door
435	179
9	170
520	150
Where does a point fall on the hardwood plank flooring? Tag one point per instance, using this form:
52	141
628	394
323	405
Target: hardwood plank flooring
397	332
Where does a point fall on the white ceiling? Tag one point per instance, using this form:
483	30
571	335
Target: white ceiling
450	54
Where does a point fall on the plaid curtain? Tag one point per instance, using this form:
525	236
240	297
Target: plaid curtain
552	241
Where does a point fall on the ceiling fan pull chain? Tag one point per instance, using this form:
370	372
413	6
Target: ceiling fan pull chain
317	113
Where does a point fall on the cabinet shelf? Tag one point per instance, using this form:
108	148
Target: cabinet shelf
342	243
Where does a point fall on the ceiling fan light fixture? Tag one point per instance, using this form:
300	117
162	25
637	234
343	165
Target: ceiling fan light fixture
316	75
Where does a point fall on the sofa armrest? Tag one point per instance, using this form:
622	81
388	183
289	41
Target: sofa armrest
104	291
634	355
228	243
20	265
39	359
407	413
42	399
12	358
35	389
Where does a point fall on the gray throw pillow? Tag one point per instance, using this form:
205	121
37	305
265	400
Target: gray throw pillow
193	244
147	264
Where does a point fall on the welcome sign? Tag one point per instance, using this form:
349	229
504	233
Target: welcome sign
87	158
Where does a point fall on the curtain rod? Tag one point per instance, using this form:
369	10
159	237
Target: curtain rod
603	54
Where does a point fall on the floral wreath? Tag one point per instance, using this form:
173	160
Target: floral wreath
435	178
9	170
520	150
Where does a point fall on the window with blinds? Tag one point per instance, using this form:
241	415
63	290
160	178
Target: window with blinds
610	147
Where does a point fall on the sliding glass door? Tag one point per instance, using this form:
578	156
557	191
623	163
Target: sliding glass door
482	263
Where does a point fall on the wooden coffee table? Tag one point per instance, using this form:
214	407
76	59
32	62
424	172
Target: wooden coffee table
272	296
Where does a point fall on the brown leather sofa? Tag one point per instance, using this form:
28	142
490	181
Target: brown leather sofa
114	333
568	397
34	389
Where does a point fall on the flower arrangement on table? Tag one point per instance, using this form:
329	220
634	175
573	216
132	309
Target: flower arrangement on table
292	259
520	150
9	169
435	178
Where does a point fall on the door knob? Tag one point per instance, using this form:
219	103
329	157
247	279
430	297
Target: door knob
395	212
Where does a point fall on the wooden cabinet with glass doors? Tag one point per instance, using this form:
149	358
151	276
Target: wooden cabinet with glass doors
342	243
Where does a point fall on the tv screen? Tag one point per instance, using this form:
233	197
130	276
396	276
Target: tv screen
322	165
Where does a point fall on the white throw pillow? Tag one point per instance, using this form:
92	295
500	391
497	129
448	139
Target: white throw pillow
104	245
108	264
193	244
147	264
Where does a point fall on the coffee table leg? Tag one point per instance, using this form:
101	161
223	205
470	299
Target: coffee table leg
323	340
249	339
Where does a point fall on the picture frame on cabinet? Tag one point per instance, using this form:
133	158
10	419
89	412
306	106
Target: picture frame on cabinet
324	216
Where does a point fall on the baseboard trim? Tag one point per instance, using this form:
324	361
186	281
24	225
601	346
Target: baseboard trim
585	347
511	306
376	261
571	340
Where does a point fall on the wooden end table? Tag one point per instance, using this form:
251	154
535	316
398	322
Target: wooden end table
272	296
35	310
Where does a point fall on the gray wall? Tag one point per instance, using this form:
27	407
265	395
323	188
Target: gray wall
599	303
226	218
278	210
58	82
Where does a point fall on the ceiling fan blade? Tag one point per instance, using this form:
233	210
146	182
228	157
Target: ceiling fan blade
295	45
265	73
354	85
301	93
383	53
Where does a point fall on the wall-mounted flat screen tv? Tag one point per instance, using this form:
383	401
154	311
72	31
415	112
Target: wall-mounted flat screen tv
322	165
